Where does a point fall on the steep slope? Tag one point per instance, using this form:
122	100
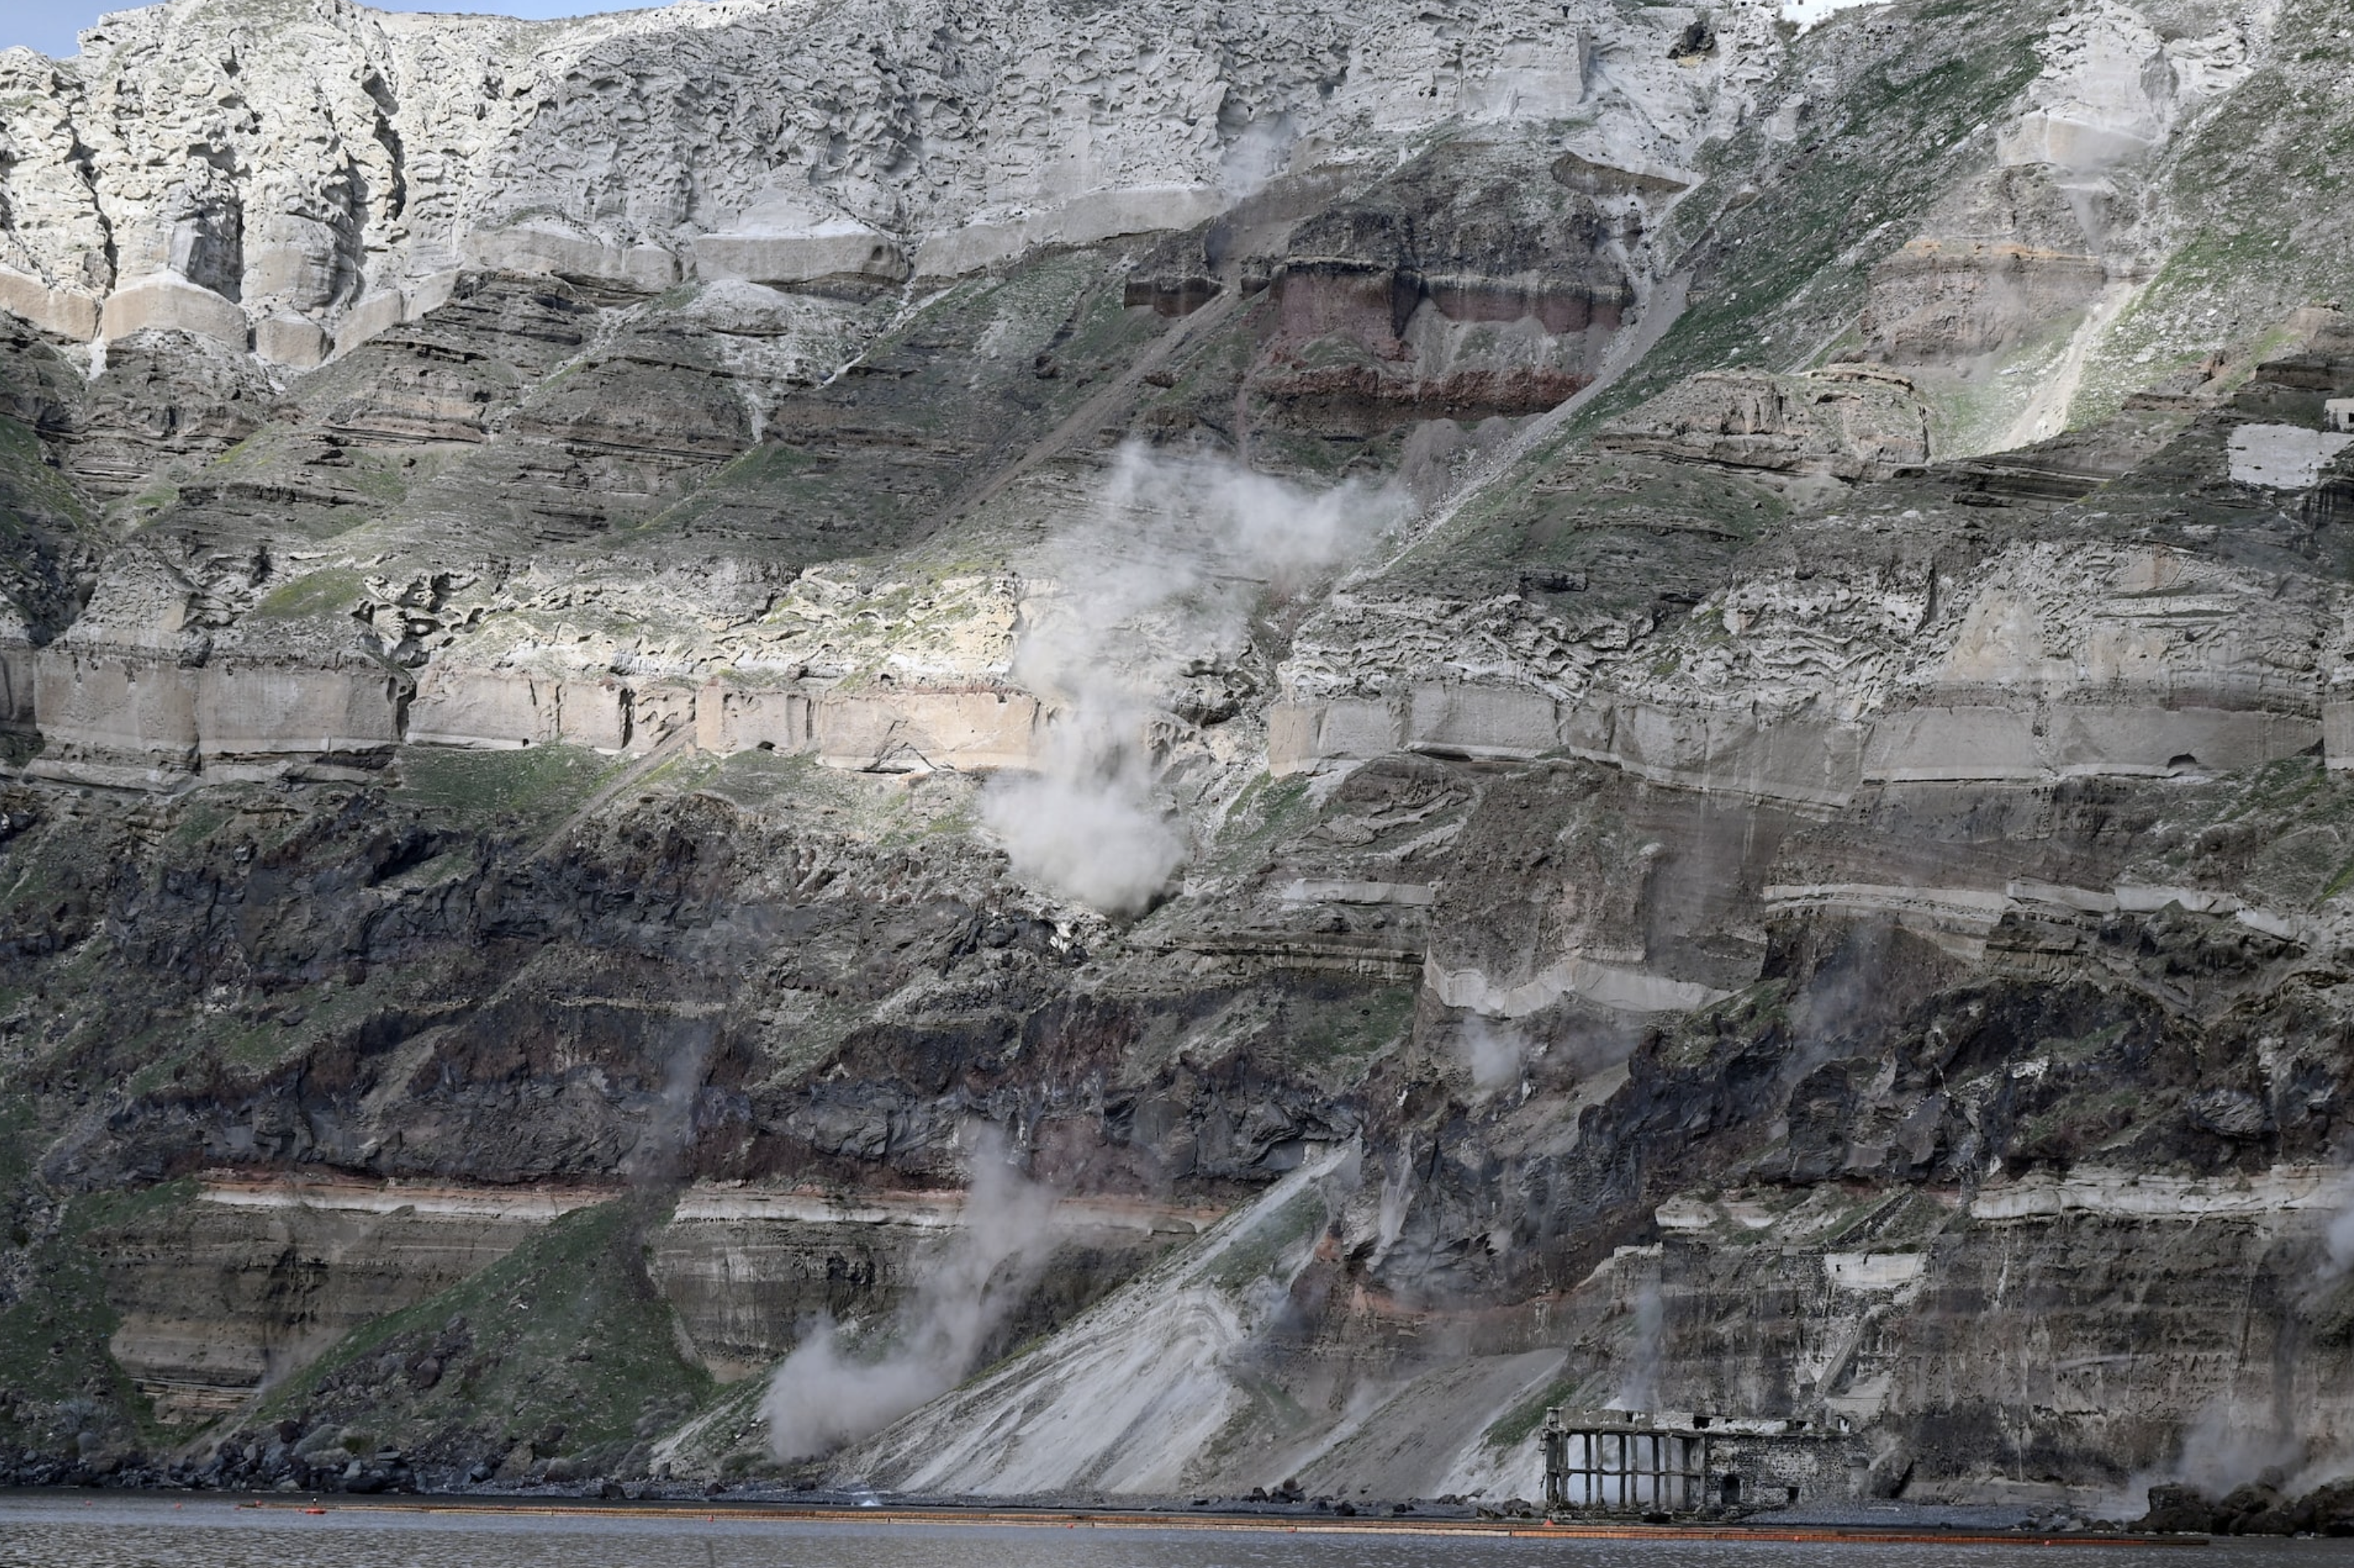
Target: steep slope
1548	705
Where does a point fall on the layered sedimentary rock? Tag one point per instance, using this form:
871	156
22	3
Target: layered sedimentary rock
227	200
1499	292
251	1280
1545	707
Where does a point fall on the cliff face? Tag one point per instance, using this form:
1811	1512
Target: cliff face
1538	704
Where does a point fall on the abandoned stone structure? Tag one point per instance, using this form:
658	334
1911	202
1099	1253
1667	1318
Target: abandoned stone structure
1631	1461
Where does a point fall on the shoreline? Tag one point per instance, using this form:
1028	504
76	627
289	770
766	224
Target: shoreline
1111	1519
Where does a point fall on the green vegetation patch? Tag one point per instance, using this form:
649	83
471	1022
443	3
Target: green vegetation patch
1348	1029
1977	415
1268	811
1747	1014
2285	131
337	590
40	515
20	449
66	1388
755	780
568	1330
259	1047
1519	1423
538	783
1265	1252
1611	533
2282	833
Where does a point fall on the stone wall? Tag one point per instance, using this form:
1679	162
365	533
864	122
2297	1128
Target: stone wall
1798	757
128	717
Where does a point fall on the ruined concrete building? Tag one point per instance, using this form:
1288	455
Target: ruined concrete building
1644	1462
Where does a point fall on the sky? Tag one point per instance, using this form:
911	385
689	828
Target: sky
50	26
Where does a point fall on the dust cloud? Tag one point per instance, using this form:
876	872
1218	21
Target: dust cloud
1156	588
1492	1051
1638	1385
824	1395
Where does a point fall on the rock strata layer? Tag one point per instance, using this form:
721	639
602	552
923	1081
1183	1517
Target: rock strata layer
1538	705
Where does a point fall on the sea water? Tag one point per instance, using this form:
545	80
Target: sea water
69	1530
